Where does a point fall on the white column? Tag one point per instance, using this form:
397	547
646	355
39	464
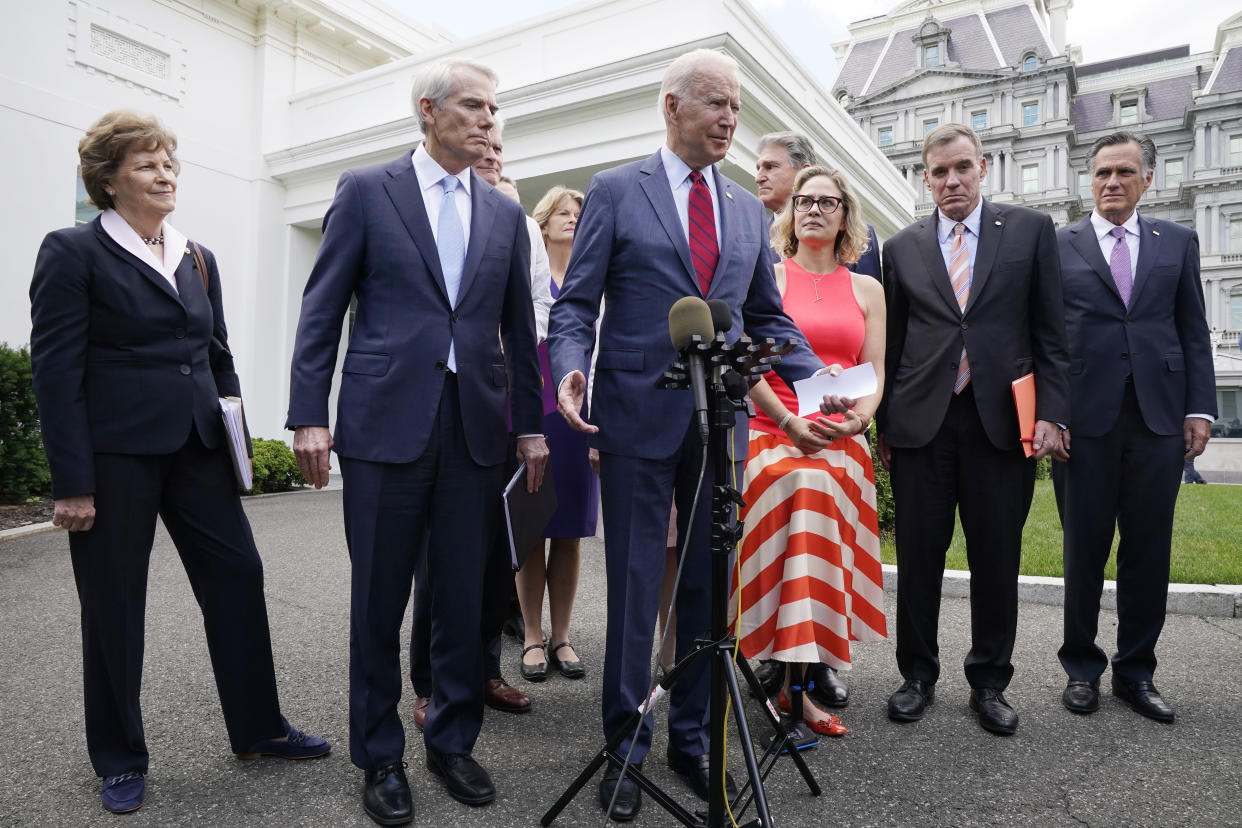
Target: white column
1200	147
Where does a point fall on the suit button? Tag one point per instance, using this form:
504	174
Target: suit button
965	326
1125	356
453	316
441	365
185	369
179	333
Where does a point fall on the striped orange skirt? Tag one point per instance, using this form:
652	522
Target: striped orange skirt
810	576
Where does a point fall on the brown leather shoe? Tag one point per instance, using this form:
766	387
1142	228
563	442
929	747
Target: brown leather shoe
420	711
499	695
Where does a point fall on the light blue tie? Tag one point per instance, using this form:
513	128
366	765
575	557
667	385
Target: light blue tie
451	243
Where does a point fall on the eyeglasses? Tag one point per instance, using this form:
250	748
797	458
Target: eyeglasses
827	204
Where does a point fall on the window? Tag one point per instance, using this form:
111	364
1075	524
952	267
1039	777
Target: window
1173	172
1084	184
1030	178
1235	235
1030	113
1029	63
1229	404
930	124
886	136
1235	149
979	120
1129	113
84	211
931	55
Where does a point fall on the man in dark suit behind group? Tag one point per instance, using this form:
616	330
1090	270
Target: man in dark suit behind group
974	302
652	232
438	262
1144	398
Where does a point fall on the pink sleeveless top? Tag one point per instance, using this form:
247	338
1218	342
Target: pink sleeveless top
826	311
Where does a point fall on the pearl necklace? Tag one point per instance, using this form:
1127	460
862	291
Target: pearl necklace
157	240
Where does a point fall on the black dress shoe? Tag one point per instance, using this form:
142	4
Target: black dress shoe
464	778
1144	698
569	669
829	689
910	701
629	795
1081	696
995	714
697	772
386	795
533	672
771	675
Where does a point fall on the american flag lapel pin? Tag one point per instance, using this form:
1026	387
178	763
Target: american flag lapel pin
999	222
1155	232
728	194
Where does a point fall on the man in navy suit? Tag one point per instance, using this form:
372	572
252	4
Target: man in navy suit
1144	398
650	233
438	264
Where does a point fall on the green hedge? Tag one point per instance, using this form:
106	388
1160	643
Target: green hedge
275	467
23	465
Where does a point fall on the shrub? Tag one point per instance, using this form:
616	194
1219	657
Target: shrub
275	467
23	465
883	491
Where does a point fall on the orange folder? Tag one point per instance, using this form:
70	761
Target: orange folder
1024	401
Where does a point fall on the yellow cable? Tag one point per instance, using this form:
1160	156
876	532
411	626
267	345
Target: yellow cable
737	561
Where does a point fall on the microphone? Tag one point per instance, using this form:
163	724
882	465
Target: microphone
689	316
722	316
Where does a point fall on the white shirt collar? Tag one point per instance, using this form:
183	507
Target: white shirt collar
678	171
430	173
175	246
1103	226
945	225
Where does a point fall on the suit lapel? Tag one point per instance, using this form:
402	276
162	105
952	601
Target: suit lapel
727	242
655	185
929	249
991	229
1149	246
482	215
1083	239
406	193
151	274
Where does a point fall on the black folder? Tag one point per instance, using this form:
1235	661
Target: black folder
527	513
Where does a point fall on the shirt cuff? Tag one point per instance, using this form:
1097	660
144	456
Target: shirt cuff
1207	417
524	436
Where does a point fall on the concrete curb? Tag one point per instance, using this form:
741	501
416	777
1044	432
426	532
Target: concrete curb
1217	601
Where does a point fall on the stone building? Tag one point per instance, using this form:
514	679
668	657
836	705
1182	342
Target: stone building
1004	67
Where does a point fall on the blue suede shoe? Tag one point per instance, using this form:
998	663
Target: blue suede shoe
295	745
124	792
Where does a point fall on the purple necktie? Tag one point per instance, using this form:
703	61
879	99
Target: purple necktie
1119	264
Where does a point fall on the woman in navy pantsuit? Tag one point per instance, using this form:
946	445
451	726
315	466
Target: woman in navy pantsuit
130	355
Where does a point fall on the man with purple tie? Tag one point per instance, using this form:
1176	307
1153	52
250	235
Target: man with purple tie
1144	398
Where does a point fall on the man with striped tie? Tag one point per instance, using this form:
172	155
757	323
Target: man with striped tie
974	302
652	232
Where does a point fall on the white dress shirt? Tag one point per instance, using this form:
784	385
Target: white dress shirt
540	279
430	174
678	173
1104	234
944	234
175	246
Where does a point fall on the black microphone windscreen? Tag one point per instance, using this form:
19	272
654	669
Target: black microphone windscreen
689	316
722	316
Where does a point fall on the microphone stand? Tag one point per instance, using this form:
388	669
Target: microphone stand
727	394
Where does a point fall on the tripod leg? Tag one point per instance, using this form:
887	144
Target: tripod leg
748	749
782	733
575	786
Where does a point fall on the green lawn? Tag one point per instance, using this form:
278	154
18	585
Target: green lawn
1207	537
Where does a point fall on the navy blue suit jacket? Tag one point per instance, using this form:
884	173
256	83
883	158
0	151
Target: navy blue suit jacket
120	359
378	247
630	250
1163	335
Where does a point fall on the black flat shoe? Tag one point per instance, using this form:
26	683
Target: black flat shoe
464	779
533	672
629	797
569	669
910	701
386	795
771	675
829	689
696	770
1144	698
995	714
1081	696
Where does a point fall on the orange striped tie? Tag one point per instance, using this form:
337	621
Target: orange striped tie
959	274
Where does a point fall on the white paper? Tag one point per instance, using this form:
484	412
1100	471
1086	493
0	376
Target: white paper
231	411
851	383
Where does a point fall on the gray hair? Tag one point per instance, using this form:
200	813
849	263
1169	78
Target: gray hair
797	145
946	133
439	80
683	72
1147	148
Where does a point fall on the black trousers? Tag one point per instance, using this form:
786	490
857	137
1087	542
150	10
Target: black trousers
1125	481
195	493
499	596
401	518
960	471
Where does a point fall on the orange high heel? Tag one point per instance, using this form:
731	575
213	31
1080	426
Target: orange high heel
830	726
